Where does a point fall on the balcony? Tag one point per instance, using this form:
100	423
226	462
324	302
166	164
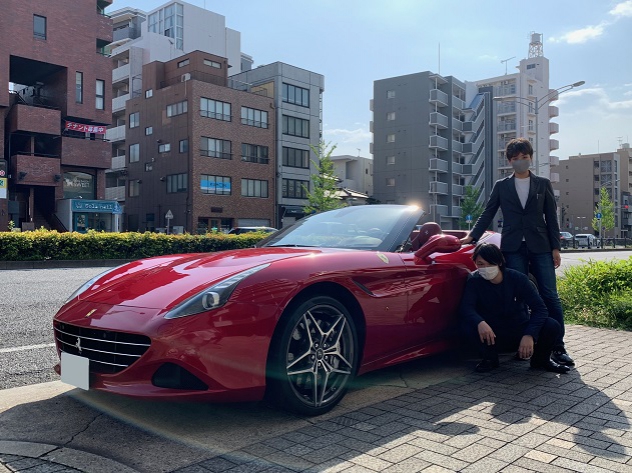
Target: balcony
554	160
115	193
457	125
437	164
86	153
371	105
36	170
438	142
554	128
120	73
553	111
506	126
103	28
34	119
458	103
439	120
115	134
554	144
457	146
437	187
457	211
439	97
371	126
118	103
458	189
555	177
457	168
118	162
436	210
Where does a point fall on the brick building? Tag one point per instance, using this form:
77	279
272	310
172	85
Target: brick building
54	82
199	149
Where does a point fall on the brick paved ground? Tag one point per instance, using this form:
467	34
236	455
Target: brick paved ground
511	420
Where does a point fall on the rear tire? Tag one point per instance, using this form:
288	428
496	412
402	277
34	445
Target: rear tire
313	357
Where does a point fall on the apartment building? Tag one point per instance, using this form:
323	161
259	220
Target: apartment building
418	142
200	154
167	32
297	95
54	107
582	177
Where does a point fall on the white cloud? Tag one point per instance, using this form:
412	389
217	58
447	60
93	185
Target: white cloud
602	101
581	35
343	135
622	9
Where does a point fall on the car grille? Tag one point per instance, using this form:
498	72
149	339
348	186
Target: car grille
108	351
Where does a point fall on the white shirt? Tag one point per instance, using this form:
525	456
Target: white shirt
522	188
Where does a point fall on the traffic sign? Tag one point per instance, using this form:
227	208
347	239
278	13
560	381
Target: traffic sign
468	219
598	215
168	215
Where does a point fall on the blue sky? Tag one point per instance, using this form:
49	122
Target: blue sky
354	42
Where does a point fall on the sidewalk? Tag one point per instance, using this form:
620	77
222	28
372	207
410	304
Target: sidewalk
439	416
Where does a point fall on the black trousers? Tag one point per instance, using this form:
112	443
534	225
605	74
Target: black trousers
508	339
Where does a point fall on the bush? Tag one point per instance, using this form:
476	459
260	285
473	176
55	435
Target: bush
598	293
51	245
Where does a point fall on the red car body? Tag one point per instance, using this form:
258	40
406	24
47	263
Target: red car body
384	307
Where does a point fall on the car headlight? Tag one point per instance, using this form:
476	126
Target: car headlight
213	296
90	283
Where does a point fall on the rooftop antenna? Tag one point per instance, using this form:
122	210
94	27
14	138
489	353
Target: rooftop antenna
620	139
358	152
505	61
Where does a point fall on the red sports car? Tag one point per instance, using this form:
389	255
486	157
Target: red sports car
333	296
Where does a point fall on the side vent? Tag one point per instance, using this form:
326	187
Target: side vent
185	77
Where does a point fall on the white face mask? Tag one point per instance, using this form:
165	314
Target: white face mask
489	272
521	165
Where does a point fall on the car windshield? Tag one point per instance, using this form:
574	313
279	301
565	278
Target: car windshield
367	227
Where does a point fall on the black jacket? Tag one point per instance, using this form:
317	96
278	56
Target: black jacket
502	305
536	223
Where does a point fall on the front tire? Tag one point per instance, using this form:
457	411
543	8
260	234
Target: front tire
313	357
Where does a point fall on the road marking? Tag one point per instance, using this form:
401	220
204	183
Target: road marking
27	347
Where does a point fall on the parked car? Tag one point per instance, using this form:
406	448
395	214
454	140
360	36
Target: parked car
293	319
566	239
239	230
586	240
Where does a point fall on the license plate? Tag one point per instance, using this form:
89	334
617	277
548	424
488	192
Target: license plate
75	370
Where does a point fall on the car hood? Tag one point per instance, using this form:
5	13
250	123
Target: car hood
163	282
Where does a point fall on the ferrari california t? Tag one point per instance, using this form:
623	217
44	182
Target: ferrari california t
293	319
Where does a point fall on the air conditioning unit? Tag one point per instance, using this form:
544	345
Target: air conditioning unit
185	77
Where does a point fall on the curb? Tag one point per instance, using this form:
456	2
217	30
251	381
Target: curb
24	456
50	264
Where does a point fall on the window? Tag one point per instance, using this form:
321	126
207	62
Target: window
254	117
296	158
164	147
390	160
149	130
214	148
530	66
294	188
215	109
176	183
216	65
218	185
390	94
183	63
390	116
530	89
177	109
254	153
134	119
254	188
294	126
149	93
134	153
149	166
390	181
133	188
183	146
295	95
168	21
390	138
100	95
79	87
39	26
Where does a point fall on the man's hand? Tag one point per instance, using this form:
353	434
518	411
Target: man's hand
486	333
557	258
525	350
466	240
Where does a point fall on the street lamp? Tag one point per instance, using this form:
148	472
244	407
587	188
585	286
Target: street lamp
539	103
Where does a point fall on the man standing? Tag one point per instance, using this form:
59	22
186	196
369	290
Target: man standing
530	233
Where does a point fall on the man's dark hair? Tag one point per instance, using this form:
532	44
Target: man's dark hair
517	146
490	253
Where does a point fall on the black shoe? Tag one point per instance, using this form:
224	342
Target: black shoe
552	366
561	357
486	365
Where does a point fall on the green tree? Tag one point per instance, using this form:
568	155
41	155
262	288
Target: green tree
323	195
470	206
606	208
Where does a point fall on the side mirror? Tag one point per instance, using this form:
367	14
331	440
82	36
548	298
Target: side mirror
437	244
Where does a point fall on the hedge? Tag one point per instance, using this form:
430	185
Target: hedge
51	245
